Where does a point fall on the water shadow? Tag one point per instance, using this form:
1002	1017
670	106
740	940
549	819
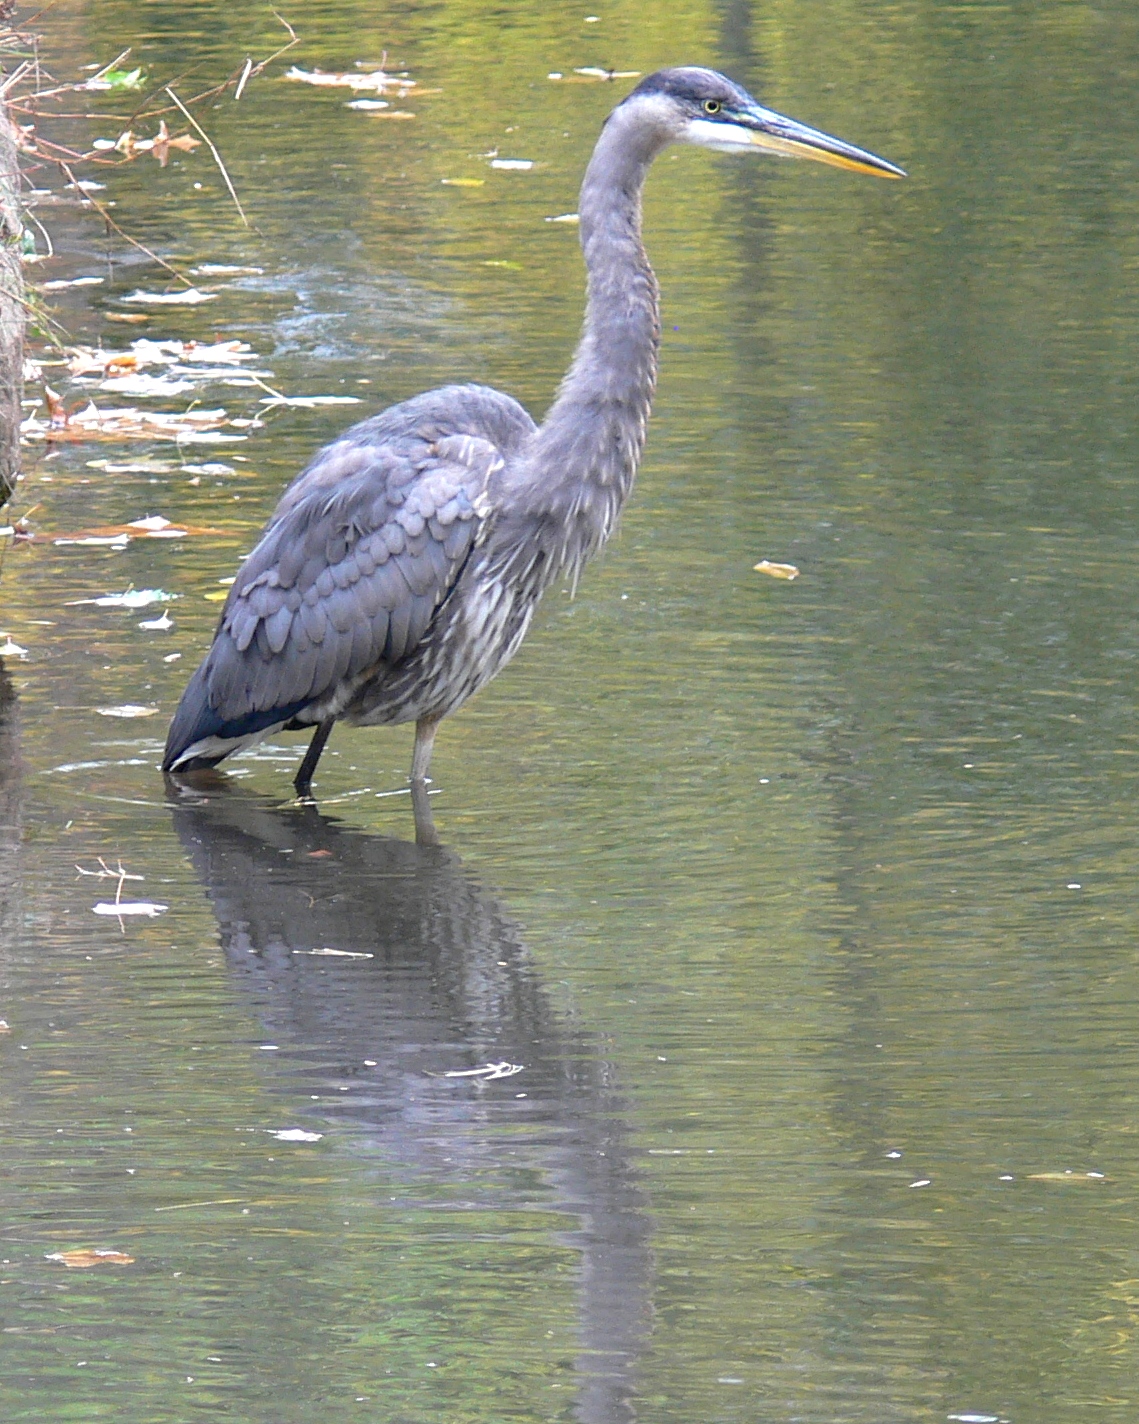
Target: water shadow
11	809
443	982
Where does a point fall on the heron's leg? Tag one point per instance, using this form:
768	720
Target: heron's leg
425	729
425	832
303	779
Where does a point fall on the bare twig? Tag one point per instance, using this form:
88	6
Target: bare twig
134	242
217	156
47	235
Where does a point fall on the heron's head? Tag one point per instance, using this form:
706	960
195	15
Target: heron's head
703	107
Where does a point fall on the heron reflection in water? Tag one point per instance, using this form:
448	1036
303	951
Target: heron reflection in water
401	569
429	975
11	801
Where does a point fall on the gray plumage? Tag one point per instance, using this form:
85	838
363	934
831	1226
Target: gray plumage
400	570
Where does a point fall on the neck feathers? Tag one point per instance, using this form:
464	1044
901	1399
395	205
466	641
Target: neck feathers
580	468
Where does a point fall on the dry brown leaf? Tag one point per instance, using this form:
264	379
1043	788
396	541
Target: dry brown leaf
82	1260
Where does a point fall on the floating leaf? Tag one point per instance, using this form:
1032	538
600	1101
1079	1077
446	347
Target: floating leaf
140	385
130	598
487	1073
146	908
776	571
376	80
134	467
305	402
115	79
336	953
1071	1178
226	355
127	710
131	317
161	145
125	423
59	285
190	297
463	182
82	1260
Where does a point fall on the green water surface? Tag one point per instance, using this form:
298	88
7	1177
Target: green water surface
808	908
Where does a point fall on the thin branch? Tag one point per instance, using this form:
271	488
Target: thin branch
217	156
47	235
134	242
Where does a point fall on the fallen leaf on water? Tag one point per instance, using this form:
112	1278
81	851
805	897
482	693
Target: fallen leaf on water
133	467
126	710
191	297
130	598
58	286
190	427
487	1073
162	143
1078	1178
184	356
146	908
131	317
377	80
304	402
217	596
590	75
778	571
464	182
114	79
81	1260
336	953
140	385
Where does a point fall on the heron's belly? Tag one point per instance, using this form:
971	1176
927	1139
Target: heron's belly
474	636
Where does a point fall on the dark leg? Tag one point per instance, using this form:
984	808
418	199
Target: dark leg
303	779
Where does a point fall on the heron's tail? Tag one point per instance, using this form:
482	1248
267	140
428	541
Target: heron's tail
200	737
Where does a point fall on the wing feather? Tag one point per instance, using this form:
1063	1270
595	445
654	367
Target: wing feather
364	547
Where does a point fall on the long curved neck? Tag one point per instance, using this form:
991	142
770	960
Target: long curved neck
580	468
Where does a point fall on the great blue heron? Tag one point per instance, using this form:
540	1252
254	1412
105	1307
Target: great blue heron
400	570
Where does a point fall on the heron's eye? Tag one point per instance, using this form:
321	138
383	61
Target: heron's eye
712	106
